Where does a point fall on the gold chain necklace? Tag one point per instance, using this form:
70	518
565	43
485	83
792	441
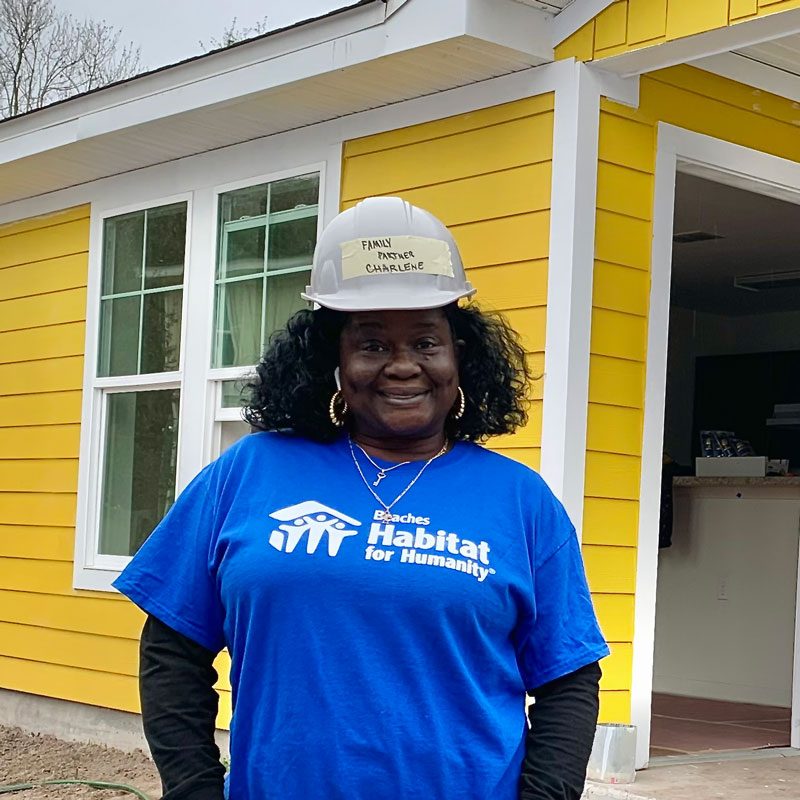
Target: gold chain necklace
388	508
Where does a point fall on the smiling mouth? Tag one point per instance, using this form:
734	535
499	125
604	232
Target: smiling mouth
403	398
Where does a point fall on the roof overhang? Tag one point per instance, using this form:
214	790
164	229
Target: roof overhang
361	58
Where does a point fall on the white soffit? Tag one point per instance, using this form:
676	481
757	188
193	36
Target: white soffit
326	69
781	53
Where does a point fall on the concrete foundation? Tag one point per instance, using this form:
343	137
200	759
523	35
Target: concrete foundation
76	722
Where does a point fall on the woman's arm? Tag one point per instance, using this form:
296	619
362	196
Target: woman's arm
563	721
179	709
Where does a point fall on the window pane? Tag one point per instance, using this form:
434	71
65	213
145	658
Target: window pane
230	433
243	203
139	475
123	239
166	245
293	192
242	252
233	393
119	336
283	298
161	331
239	323
291	244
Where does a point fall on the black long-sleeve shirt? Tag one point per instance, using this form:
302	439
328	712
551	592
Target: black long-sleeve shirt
179	709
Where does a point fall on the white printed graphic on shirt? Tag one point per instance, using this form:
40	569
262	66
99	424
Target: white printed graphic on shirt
386	540
314	520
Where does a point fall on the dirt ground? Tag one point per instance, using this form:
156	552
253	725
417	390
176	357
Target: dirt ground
29	758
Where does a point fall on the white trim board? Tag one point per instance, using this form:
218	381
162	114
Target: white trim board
569	289
683	150
574	17
292	144
692	48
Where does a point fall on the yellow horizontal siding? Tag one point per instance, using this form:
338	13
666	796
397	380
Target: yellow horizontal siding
521	238
36	542
511	286
615	707
610	570
46	375
54	308
79	684
69	648
43	244
45	442
43	475
58	408
40	508
612	476
621	289
616	381
614	429
610	521
618	667
36	575
632	24
53	341
101	615
615	612
53	275
619	335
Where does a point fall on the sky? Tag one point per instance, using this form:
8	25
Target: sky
169	30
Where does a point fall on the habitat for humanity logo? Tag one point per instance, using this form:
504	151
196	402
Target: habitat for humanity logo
313	521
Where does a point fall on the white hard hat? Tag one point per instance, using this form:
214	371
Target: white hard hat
386	254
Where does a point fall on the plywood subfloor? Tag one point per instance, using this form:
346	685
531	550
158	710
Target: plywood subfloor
689	725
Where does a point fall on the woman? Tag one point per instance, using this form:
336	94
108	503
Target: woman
387	589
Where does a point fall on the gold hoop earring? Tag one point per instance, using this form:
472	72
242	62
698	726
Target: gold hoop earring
337	416
462	402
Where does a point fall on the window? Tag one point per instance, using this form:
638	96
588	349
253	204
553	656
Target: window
266	235
141	301
192	266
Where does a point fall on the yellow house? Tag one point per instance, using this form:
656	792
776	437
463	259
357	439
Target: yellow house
554	138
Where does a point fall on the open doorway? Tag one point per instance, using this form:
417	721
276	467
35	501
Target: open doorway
726	597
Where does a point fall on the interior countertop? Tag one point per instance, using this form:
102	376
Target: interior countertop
733	480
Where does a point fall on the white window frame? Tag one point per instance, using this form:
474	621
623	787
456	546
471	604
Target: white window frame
200	417
87	546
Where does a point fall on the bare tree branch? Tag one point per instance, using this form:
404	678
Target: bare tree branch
47	55
235	33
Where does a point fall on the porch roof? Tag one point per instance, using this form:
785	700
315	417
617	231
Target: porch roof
364	56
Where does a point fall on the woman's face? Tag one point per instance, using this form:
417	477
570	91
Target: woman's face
399	372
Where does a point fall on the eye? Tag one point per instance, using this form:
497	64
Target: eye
426	344
373	346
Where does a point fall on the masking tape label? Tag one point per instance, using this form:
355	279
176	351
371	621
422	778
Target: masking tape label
395	255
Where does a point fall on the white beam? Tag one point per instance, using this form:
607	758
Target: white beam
569	287
690	48
574	17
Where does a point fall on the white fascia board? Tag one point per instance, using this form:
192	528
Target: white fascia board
352	38
512	25
744	69
690	48
574	17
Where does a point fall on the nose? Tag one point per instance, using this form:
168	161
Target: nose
402	365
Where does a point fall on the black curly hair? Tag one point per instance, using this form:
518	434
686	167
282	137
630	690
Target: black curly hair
294	378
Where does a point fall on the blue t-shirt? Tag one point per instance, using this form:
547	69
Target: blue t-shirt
372	659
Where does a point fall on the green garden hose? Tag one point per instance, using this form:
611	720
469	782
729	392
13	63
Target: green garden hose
122	787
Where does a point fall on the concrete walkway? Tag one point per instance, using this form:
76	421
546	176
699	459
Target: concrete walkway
759	775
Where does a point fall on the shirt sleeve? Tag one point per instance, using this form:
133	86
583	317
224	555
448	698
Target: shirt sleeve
559	632
171	577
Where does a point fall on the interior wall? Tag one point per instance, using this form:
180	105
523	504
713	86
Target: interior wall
693	334
725	603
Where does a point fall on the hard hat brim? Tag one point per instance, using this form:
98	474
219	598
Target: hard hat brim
359	301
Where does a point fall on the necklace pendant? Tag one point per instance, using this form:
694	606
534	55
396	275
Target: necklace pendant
381	475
